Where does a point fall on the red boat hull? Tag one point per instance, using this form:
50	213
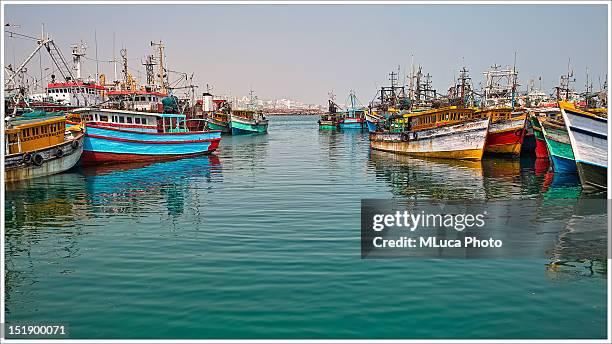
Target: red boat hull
505	142
540	150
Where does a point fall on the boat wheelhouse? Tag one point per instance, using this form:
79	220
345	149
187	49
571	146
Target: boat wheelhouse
137	100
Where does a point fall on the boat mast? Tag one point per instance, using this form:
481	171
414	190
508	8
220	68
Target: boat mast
162	74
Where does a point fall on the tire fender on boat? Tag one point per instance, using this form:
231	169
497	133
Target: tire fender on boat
74	144
59	153
27	157
37	159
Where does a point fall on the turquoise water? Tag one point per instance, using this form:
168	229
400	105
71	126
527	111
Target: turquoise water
262	241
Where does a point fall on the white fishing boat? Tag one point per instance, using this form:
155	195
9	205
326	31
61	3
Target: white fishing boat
446	133
588	135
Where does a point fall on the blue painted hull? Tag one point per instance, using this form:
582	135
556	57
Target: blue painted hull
238	131
563	165
371	126
351	125
108	145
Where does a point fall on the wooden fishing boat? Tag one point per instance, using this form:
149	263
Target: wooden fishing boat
558	145
248	122
119	136
448	133
39	145
588	135
506	130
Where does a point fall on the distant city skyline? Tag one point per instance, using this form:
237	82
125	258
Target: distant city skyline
301	52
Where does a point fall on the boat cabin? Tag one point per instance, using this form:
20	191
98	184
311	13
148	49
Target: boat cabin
431	118
73	94
500	114
140	100
134	120
249	114
31	134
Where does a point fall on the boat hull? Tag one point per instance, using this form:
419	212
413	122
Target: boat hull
460	141
327	125
589	139
372	126
109	145
245	127
540	143
351	123
506	137
16	168
592	175
216	125
559	148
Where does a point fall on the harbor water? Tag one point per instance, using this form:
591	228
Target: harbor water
262	240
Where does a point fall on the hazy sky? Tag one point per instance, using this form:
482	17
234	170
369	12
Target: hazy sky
303	51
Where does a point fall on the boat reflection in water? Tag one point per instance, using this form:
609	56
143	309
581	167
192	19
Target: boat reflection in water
429	178
581	246
126	188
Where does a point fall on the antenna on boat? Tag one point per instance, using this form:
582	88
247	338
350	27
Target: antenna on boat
97	62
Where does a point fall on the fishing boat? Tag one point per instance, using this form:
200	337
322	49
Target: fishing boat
506	130
353	117
331	119
216	113
541	151
508	123
119	136
38	144
558	145
328	121
588	136
248	121
449	133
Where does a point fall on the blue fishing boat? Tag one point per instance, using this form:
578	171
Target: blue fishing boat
353	117
148	137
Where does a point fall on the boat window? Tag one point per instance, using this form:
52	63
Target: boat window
137	120
121	119
128	119
103	118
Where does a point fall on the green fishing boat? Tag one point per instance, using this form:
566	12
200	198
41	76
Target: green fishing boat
559	146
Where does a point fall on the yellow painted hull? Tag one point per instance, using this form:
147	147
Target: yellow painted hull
466	154
509	149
